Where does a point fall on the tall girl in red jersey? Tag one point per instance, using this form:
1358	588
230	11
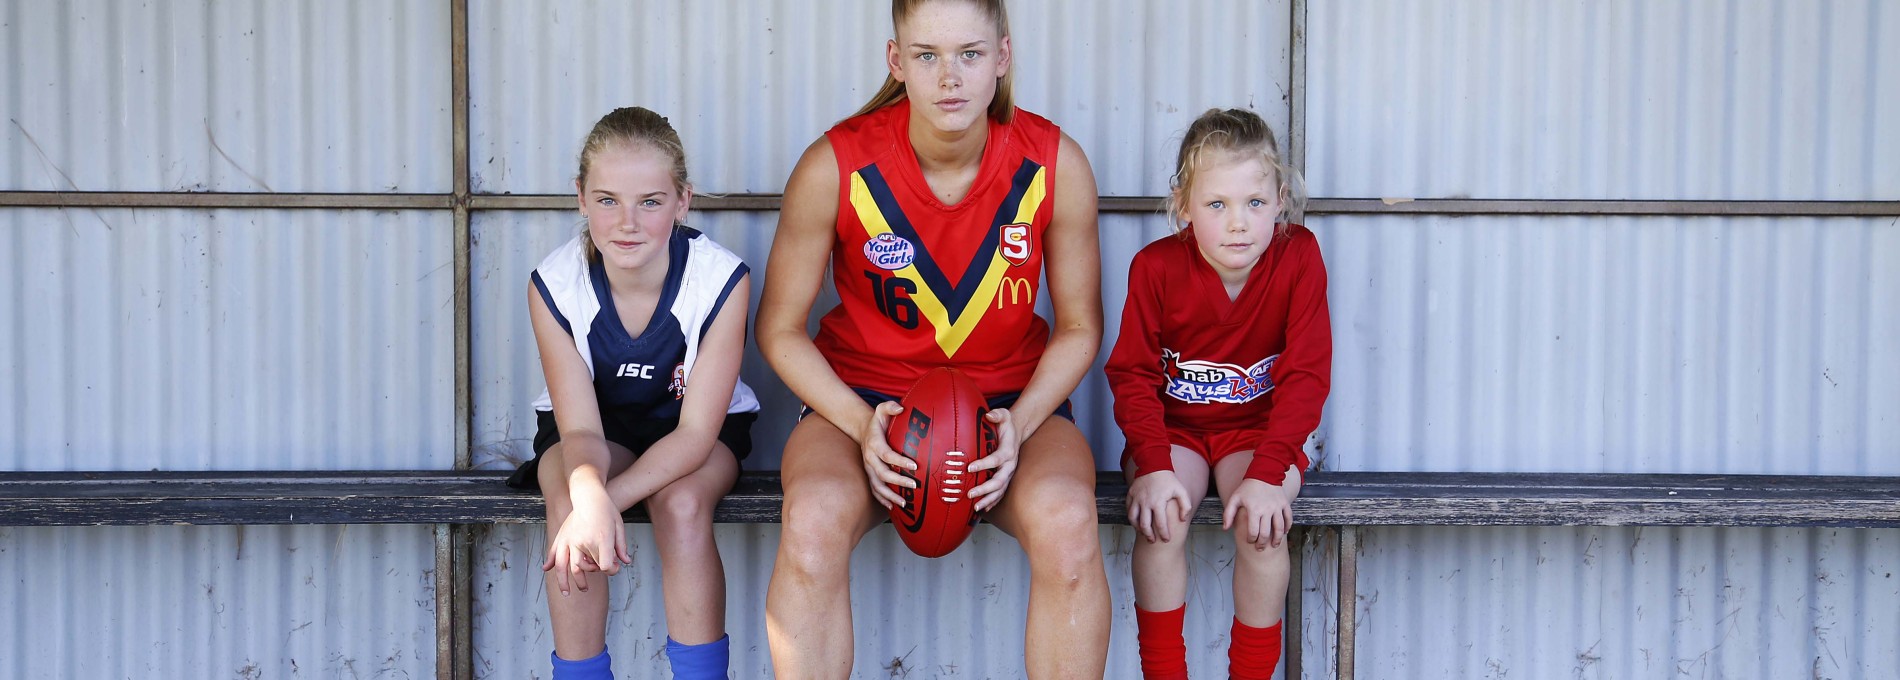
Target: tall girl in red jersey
935	207
1222	366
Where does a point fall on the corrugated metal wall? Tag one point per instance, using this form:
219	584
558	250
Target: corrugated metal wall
142	339
314	339
1621	100
195	95
1075	62
1625	344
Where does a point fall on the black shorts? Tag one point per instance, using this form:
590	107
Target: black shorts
636	433
874	397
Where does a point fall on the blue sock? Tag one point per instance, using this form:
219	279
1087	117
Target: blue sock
598	668
700	662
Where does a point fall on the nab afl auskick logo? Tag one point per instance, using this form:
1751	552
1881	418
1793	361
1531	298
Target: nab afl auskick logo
889	252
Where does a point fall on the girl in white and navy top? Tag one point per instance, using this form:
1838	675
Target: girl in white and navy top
640	322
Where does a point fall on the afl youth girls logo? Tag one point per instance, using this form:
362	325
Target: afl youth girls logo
890	252
1015	244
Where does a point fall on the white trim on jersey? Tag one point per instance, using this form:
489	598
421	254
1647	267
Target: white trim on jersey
705	283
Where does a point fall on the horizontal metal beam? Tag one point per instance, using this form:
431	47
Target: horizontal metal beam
179	199
1106	204
1486	206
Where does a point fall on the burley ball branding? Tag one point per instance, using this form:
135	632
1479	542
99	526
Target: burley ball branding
1207	382
890	252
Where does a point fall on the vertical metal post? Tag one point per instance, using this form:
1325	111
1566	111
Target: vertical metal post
1296	91
1348	599
1296	156
454	658
1294	621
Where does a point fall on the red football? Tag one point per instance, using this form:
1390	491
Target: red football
942	428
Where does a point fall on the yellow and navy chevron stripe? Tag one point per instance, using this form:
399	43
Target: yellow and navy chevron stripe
953	310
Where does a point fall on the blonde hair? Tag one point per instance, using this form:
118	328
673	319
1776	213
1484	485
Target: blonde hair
1002	106
631	126
1232	132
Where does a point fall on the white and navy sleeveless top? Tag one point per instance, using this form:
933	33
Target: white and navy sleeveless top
647	374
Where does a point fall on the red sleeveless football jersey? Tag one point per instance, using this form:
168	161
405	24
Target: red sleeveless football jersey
922	284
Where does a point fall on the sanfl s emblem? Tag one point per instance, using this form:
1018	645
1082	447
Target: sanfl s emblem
1015	245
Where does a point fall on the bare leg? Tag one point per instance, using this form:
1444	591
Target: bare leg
828	509
694	578
1161	569
1050	509
1260	576
579	619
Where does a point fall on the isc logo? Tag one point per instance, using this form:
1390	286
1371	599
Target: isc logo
635	371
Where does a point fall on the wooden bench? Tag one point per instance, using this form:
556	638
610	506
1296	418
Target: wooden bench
1329	499
1341	500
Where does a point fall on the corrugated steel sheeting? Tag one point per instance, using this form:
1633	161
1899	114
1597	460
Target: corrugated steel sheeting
1627	99
1628	602
226	340
1613	344
249	339
1123	78
960	616
217	602
1647	344
303	96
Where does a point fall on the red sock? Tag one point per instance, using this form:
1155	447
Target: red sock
1163	652
1253	652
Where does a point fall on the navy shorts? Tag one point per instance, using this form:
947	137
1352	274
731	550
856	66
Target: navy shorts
636	433
1006	400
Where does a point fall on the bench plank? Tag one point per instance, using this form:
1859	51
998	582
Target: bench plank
1334	498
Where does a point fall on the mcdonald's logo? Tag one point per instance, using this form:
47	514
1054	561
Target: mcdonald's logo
1018	289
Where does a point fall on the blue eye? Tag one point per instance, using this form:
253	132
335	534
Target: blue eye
1257	203
608	202
1217	205
927	57
971	55
651	203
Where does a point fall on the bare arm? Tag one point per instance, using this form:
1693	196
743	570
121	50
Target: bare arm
576	412
793	275
801	249
592	538
1073	265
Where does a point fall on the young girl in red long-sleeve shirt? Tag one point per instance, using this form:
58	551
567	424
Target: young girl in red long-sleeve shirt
1222	367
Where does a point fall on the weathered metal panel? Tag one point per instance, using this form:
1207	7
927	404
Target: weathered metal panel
1755	99
1627	344
1123	78
217	602
1628	602
1634	344
225	340
194	95
954	617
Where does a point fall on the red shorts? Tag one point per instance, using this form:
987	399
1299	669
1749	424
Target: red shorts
1213	446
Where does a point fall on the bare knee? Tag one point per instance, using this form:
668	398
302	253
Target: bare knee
1064	545
817	537
680	511
1251	557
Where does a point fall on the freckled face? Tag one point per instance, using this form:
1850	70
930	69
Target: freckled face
631	204
1232	208
949	57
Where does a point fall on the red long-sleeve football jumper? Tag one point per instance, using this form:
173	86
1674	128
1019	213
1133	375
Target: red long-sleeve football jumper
1189	358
